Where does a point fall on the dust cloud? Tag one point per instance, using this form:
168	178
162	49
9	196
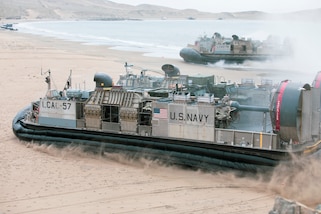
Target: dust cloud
298	180
302	63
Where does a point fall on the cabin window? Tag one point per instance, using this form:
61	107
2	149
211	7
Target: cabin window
145	114
244	48
110	114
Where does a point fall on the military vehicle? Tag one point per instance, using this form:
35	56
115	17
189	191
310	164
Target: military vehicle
180	122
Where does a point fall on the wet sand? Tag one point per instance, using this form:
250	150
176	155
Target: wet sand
42	179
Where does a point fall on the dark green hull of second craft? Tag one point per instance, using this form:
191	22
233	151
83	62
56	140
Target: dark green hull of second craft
193	56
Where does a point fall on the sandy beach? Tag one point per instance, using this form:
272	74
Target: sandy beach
39	179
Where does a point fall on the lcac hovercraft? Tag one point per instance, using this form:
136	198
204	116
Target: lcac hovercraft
188	126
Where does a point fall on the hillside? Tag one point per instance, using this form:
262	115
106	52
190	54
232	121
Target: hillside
108	10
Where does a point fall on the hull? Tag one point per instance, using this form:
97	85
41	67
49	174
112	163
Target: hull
193	56
170	151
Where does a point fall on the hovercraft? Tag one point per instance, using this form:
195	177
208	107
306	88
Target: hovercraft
234	50
178	120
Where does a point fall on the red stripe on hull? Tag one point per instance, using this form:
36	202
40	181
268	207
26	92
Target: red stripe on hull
278	106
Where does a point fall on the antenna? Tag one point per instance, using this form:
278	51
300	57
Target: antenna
48	78
68	82
127	66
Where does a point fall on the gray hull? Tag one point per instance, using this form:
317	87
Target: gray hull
208	157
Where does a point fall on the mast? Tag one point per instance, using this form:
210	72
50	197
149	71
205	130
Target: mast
68	82
48	78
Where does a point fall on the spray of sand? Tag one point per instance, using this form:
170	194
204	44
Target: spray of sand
76	151
298	180
161	167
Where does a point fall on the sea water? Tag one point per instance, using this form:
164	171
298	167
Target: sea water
165	38
157	37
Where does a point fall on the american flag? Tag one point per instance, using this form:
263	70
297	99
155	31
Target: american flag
160	113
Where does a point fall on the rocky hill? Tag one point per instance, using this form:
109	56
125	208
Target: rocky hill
108	10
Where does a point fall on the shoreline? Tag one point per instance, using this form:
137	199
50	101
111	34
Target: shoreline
231	73
300	67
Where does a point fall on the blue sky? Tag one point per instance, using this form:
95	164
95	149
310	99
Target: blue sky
273	6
